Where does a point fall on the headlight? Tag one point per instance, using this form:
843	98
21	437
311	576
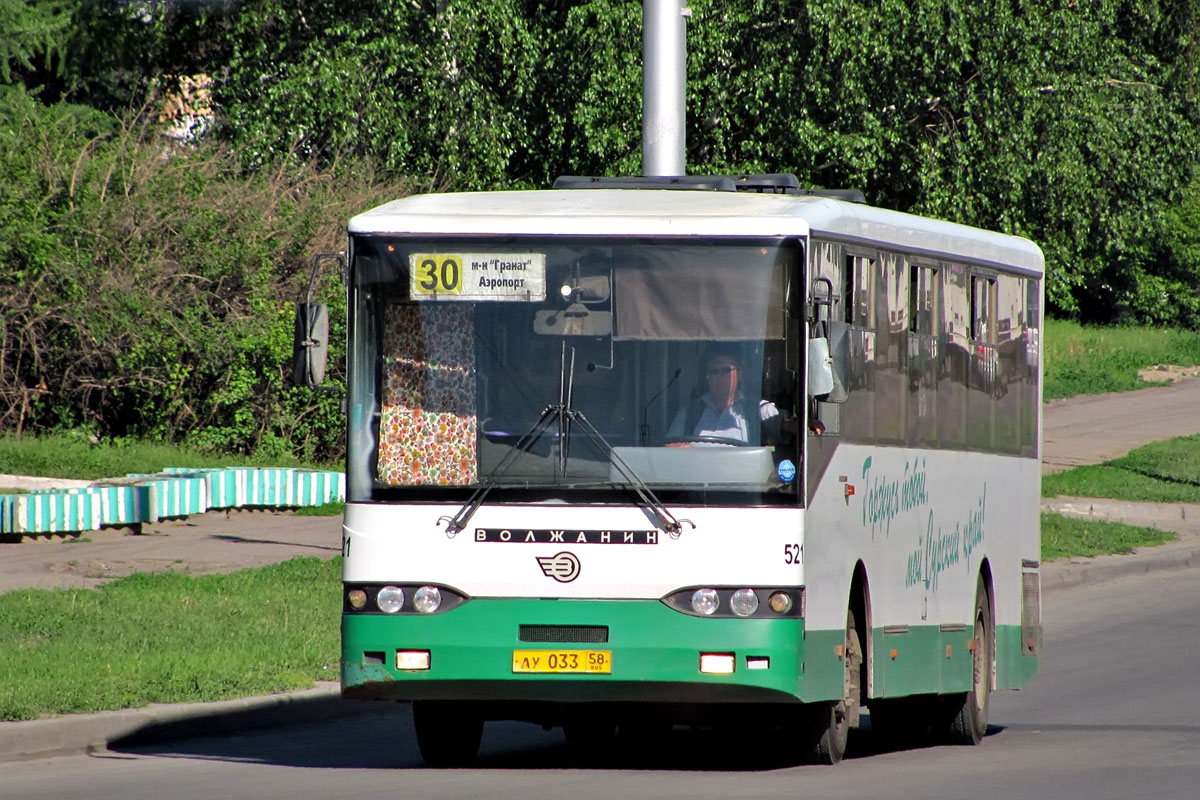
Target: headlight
744	602
427	599
357	599
390	599
705	601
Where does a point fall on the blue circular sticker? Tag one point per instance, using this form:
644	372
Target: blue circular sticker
787	471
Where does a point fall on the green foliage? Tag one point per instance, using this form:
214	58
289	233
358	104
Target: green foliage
169	638
77	455
147	288
437	90
32	34
1082	359
1066	537
1071	123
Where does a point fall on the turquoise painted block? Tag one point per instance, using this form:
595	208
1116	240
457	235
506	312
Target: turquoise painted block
62	511
226	488
318	487
177	497
266	486
124	505
7	504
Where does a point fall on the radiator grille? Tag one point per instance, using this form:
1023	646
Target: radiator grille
564	634
1031	613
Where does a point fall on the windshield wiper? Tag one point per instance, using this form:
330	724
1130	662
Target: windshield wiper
565	415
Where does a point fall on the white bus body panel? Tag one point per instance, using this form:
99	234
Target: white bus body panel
922	522
727	547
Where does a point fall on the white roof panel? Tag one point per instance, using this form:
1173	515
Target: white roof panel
648	212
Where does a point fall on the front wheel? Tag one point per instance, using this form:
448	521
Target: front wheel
969	722
831	722
448	734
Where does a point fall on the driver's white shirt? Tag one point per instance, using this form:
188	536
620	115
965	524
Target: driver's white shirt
729	423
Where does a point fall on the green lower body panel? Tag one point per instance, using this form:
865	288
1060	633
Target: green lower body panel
1015	664
655	654
930	659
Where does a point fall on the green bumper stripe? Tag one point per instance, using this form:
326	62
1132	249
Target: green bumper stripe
655	653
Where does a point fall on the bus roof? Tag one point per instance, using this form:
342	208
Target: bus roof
653	213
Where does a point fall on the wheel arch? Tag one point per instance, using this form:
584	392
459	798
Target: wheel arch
859	602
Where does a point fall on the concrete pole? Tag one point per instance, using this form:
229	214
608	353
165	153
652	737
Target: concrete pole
664	81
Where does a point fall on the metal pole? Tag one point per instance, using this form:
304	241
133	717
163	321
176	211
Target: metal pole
664	79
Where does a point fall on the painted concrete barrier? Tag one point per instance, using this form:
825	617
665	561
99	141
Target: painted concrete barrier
62	511
173	493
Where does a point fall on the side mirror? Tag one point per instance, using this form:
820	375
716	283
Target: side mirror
311	344
820	368
829	365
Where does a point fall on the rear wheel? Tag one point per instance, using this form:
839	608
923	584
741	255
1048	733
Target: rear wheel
969	721
448	734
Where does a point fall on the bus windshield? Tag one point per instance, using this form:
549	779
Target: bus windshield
540	366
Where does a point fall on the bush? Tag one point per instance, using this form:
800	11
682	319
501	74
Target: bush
148	288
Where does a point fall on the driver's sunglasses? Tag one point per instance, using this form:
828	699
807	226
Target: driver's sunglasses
719	371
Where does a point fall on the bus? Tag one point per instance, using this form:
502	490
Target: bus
537	528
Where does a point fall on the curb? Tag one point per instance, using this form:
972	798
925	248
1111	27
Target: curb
1181	518
90	733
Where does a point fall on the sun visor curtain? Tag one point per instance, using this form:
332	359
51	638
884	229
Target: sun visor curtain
690	301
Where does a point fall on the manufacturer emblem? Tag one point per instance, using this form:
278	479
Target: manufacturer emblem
563	567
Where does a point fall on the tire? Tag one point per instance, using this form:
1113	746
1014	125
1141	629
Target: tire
448	734
831	722
968	723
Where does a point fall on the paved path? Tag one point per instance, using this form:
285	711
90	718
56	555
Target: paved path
198	545
1096	428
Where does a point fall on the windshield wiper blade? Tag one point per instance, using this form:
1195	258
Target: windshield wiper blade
459	521
665	518
565	415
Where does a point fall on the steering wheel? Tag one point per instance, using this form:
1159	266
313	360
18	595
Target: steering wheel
707	440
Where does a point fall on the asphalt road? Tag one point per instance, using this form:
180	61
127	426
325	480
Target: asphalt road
1111	715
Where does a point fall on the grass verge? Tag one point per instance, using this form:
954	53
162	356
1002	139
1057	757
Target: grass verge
169	638
1091	360
68	455
1064	537
1160	472
327	510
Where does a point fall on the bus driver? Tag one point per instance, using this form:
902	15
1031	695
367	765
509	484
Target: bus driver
722	411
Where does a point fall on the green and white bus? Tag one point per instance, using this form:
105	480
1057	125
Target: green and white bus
523	541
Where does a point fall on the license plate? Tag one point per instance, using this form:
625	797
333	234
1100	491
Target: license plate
588	662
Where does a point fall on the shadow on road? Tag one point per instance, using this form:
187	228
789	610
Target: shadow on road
249	540
385	740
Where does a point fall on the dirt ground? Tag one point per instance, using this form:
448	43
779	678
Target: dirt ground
205	543
1084	430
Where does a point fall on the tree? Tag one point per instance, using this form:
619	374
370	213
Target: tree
32	35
